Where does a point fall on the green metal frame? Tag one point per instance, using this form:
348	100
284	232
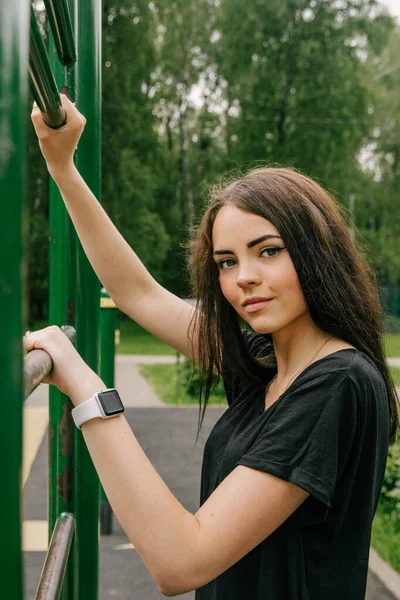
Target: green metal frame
74	299
108	321
87	488
58	14
14	22
41	80
71	569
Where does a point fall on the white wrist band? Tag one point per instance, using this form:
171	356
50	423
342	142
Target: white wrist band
104	404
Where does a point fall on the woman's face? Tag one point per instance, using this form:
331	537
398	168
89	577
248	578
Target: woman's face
254	266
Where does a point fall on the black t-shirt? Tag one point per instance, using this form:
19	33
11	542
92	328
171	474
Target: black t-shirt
328	434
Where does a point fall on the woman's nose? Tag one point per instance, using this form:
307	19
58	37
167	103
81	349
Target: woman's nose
248	276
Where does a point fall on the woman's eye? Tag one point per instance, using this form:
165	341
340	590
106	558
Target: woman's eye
226	263
223	264
276	250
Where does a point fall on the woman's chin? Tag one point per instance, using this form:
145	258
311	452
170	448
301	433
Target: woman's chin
260	328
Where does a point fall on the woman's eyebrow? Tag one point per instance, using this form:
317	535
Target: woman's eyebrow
261	239
250	244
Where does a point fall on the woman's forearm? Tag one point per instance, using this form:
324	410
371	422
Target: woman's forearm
161	530
115	263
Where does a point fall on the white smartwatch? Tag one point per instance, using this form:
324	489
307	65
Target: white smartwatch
104	404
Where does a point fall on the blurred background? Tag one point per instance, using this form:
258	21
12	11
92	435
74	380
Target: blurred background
195	88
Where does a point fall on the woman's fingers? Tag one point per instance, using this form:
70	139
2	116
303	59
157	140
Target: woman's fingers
72	113
71	110
58	145
50	338
38	123
69	370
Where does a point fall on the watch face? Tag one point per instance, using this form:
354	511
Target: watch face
111	402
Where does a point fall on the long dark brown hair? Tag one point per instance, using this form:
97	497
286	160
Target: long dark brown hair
339	285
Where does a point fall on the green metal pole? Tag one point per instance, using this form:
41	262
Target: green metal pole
108	320
59	18
43	86
14	38
88	286
63	245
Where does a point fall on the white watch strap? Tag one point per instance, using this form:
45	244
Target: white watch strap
90	409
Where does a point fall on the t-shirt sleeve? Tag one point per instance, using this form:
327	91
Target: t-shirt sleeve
307	435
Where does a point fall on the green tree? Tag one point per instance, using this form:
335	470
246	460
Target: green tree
130	150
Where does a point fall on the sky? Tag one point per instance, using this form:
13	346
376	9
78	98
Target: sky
394	7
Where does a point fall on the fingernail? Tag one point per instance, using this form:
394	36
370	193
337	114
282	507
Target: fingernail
34	105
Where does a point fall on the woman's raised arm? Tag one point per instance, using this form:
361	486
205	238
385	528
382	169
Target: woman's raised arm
119	269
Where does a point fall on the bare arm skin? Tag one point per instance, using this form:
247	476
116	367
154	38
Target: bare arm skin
182	551
126	279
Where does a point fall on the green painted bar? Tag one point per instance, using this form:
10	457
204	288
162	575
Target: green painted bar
14	37
61	28
41	80
62	275
88	288
108	321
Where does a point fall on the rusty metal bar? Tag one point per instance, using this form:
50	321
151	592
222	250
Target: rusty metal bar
38	364
52	576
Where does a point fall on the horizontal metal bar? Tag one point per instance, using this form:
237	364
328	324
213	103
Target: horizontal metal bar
41	79
61	28
52	576
38	364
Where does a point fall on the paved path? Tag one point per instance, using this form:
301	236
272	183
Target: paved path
167	435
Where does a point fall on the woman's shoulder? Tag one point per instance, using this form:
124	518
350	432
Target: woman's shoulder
353	365
353	361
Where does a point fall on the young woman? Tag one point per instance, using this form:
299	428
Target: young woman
292	471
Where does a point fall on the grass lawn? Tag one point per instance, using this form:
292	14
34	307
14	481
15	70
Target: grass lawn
386	538
136	340
165	382
396	375
392	344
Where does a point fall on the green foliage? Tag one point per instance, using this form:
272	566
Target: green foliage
386	537
129	155
189	376
386	525
136	340
309	85
170	386
390	497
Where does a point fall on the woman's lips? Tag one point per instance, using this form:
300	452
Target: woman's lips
255	306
